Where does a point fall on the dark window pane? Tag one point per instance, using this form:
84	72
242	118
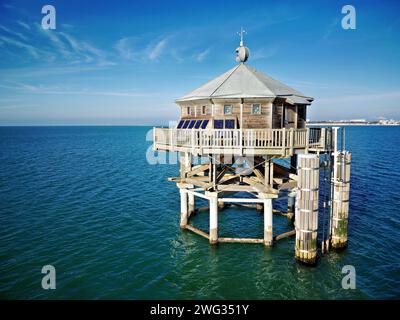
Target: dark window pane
218	124
192	124
204	124
198	123
186	124
180	124
229	124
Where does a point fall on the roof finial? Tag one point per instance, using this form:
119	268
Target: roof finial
242	53
242	31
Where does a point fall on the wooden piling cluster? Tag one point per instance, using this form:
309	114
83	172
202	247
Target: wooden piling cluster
340	203
306	217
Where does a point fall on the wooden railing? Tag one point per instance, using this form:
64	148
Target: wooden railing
172	139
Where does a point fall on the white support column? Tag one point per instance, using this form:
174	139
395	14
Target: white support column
241	128
335	151
291	204
268	222
192	206
340	203
184	207
306	220
213	218
188	162
333	192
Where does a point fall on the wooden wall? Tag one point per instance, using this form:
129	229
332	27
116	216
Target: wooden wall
273	115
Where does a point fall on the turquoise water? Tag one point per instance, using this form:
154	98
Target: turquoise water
85	200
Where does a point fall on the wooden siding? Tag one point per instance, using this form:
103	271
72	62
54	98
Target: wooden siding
273	116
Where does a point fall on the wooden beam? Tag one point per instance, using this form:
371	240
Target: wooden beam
235	188
288	185
198	169
222	173
197	231
240	240
259	175
285	235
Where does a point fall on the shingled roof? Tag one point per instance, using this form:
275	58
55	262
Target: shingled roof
243	81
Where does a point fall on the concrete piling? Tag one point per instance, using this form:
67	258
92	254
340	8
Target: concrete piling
192	205
268	234
184	207
340	203
213	218
291	204
306	220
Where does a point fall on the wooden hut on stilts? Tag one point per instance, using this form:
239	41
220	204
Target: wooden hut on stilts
242	121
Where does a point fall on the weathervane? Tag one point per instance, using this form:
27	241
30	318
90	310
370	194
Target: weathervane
242	52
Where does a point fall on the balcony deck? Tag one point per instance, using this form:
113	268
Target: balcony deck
246	142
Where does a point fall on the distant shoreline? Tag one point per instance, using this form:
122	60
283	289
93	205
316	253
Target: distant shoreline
352	124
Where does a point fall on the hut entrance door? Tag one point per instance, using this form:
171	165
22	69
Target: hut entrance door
290	117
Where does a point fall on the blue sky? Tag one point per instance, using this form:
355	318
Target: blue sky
124	62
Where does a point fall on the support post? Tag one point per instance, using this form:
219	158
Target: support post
306	220
241	127
192	205
213	218
184	207
340	203
268	237
334	144
293	163
291	204
271	173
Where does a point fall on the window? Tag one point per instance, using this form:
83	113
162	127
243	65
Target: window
256	108
191	125
188	110
218	124
198	123
180	124
301	112
204	124
203	110
227	109
229	124
186	124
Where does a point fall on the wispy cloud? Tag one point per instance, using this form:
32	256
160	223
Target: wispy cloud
60	90
74	50
125	48
202	55
130	48
8	6
50	45
24	25
264	53
155	50
14	33
331	28
34	52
